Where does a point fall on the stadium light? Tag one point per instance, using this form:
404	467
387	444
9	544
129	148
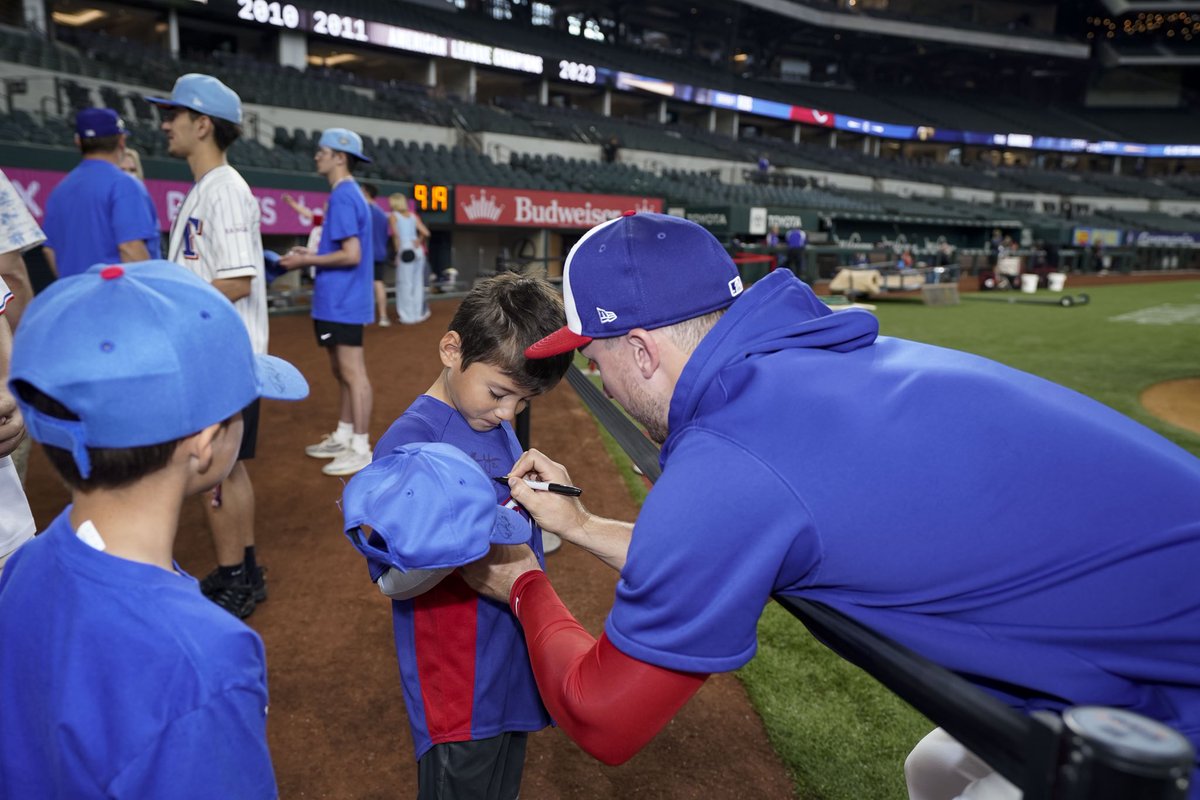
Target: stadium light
78	18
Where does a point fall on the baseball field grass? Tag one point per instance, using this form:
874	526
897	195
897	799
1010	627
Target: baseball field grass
841	734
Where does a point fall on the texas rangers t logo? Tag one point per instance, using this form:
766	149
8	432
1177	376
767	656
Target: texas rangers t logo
191	229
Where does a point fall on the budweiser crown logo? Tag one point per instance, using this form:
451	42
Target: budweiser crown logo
482	207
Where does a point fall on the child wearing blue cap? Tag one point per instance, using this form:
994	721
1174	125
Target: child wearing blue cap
99	214
343	298
464	668
142	688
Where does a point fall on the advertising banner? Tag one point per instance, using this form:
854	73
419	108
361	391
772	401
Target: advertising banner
35	186
520	208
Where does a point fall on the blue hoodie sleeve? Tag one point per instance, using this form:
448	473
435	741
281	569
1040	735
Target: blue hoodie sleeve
716	536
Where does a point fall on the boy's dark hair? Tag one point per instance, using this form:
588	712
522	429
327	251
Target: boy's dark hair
225	133
502	316
352	162
112	467
371	189
100	144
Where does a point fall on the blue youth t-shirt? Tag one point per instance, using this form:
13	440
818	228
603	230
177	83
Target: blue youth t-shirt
464	666
122	681
346	294
1008	528
94	209
379	231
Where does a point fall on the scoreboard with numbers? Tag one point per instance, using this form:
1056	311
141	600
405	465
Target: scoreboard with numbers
432	197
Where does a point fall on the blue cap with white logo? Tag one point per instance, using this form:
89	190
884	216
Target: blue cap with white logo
345	141
639	271
429	506
143	354
93	123
206	95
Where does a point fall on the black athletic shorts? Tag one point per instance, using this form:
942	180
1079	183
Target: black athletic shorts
486	769
249	432
380	270
333	333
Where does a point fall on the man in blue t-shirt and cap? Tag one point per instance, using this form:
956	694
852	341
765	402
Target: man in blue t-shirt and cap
99	214
343	300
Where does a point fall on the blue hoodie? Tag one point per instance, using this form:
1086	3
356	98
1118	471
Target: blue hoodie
1025	536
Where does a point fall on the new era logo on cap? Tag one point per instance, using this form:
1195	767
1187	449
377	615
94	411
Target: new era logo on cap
640	271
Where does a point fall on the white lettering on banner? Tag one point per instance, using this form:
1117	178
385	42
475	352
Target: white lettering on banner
470	51
174	201
707	219
415	41
29	195
266	207
511	59
785	221
1146	239
584	216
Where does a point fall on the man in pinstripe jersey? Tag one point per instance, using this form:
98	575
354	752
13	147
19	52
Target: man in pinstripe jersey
216	235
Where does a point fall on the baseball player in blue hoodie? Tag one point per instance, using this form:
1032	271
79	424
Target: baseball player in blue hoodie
774	413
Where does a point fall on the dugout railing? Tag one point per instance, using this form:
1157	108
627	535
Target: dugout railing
1086	753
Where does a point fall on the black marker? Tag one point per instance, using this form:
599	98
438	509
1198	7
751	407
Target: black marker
543	486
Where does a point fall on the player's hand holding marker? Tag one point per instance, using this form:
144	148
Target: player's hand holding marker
553	511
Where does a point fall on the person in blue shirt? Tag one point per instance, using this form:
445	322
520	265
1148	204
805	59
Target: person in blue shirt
783	425
468	688
343	301
99	213
797	262
144	688
381	236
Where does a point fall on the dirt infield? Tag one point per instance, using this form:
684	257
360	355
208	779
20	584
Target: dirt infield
337	722
1176	402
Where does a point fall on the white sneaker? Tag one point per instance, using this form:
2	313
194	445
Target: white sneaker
329	447
384	322
347	463
550	542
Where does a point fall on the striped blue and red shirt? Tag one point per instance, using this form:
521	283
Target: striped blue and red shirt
464	666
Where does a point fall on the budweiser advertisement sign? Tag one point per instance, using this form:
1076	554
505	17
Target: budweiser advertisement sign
488	205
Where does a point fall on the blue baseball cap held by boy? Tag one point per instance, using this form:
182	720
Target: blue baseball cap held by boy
639	271
143	353
430	506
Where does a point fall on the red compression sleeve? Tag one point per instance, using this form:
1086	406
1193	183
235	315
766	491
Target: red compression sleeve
609	703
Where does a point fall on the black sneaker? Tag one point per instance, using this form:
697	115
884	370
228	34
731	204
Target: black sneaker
236	598
214	582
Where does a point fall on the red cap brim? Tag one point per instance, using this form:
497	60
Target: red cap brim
561	341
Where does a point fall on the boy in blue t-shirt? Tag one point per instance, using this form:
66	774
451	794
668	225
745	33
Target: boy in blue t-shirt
465	671
343	298
133	378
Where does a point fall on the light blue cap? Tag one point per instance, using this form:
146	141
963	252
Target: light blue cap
206	95
143	353
345	141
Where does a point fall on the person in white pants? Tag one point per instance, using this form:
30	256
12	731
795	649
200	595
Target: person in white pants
940	768
410	237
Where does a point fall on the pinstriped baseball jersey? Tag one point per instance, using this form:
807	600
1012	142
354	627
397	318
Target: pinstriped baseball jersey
216	235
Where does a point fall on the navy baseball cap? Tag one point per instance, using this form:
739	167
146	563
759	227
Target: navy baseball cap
206	95
143	353
344	140
431	505
92	123
639	271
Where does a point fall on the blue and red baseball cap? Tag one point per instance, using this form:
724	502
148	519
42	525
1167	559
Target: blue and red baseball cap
203	94
144	354
92	123
639	271
430	506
